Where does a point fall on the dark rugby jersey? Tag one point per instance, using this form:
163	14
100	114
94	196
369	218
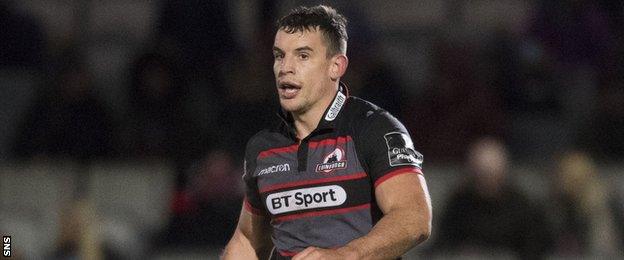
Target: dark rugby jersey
321	192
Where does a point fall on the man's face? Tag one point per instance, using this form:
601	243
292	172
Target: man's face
302	70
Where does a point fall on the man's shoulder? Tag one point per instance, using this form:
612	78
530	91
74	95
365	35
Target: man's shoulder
258	136
364	113
356	103
265	139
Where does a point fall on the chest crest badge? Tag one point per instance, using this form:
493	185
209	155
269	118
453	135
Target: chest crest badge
333	161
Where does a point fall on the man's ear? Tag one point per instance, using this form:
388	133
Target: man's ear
338	67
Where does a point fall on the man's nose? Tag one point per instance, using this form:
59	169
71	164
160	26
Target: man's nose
286	66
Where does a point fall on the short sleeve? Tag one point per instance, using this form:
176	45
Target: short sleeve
387	149
252	202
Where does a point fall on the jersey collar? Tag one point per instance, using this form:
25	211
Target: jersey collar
328	121
331	113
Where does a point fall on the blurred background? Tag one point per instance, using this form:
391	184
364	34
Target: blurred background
123	123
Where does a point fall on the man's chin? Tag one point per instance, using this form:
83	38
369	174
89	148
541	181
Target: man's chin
290	106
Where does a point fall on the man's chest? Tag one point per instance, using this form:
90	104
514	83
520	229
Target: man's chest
317	174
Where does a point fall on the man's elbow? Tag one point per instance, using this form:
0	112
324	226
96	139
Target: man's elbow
420	234
423	234
421	231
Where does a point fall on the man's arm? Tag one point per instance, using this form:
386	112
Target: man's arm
404	200
251	239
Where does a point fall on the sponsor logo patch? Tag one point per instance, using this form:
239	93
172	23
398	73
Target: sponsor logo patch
275	168
332	161
308	198
401	150
335	107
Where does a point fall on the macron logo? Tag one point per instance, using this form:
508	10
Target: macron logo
275	168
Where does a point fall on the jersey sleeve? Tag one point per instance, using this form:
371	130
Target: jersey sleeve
252	201
387	149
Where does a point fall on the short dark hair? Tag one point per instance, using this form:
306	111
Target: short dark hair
332	24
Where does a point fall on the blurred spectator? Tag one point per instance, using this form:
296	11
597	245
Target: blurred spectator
576	37
80	236
202	30
158	126
604	135
574	33
251	104
380	84
488	214
383	88
584	220
526	77
67	120
205	212
457	106
23	41
533	103
77	238
615	14
370	75
617	205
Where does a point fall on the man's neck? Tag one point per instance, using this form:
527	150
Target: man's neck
306	122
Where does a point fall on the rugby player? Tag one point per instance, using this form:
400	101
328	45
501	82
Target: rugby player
337	177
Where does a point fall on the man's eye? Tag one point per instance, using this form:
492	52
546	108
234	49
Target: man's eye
278	56
304	56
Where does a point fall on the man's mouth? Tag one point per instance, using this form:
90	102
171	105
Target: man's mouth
288	90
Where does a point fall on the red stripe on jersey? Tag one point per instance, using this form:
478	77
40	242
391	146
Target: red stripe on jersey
312	144
354	176
330	141
274	151
287	253
322	213
402	170
251	208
